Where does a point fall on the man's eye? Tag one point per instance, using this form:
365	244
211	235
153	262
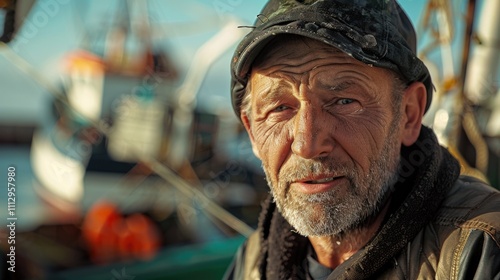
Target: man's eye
345	101
280	108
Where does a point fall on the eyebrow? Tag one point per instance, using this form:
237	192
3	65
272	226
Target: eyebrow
272	92
268	97
275	92
343	85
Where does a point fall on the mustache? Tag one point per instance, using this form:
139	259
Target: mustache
301	169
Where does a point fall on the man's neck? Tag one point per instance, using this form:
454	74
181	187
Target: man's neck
332	251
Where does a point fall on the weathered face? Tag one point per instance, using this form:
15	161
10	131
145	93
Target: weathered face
323	125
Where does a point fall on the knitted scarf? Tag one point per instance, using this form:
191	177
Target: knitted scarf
427	172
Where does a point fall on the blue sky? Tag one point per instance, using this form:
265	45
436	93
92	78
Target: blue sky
55	27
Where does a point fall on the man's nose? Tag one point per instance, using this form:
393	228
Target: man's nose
312	136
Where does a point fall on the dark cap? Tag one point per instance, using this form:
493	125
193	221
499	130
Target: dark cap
375	32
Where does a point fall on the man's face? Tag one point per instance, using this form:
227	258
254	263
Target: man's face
323	125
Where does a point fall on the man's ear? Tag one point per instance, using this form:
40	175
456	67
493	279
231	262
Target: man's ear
248	128
413	109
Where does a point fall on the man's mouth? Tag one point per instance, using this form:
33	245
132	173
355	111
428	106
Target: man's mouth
318	185
321	181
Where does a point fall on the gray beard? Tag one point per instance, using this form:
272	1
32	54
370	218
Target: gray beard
338	210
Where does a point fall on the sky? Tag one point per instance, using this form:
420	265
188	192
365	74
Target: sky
55	27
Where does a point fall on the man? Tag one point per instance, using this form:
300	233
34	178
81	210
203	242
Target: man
332	96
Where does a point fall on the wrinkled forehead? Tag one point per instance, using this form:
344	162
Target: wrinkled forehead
293	47
294	50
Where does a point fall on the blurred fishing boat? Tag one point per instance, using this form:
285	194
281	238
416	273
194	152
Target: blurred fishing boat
126	131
